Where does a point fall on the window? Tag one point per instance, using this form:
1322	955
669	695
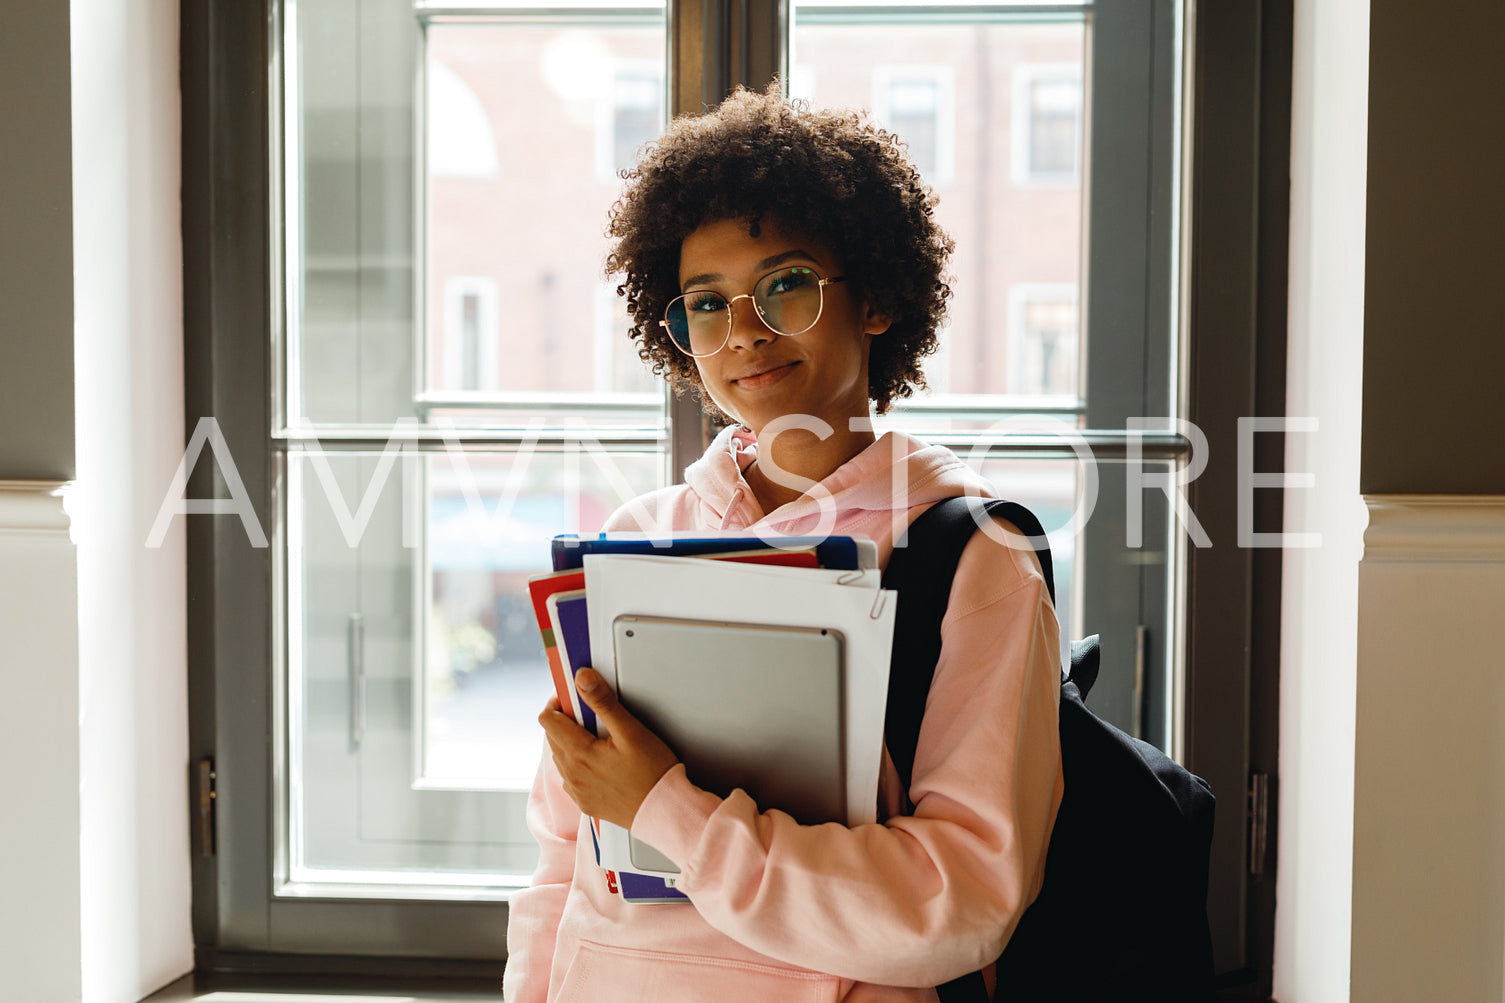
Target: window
1047	126
632	113
460	142
917	102
470	334
618	366
431	372
412	670
1043	340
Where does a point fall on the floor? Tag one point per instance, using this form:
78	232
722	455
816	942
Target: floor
281	989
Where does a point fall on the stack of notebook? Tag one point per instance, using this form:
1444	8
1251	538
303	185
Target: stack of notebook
765	667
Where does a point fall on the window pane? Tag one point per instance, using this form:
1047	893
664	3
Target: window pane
1054	104
1044	360
415	668
915	101
488	526
350	194
447	187
554	115
971	99
1096	554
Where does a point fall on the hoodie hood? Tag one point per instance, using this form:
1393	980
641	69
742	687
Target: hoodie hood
893	475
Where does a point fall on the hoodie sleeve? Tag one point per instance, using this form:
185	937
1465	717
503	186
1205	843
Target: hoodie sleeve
919	899
533	914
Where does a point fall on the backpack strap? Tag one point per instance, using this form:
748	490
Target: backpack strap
922	568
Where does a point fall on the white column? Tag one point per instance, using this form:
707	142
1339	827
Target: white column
1319	586
134	858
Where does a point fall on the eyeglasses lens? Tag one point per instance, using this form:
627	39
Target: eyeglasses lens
789	301
699	322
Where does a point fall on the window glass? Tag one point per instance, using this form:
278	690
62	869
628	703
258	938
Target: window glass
594	96
1052	131
945	88
449	179
466	373
1043	324
637	112
916	103
489	519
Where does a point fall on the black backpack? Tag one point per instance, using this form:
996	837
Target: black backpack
1122	913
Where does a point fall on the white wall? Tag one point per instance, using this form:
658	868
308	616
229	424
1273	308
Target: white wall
133	699
39	812
1429	793
1319	604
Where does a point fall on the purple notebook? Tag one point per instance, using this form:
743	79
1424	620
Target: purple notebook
644	889
573	639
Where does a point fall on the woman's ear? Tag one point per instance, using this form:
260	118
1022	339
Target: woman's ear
873	321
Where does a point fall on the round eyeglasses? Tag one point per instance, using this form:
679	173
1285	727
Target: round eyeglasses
788	301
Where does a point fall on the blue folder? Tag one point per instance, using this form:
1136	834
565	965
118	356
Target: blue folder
568	551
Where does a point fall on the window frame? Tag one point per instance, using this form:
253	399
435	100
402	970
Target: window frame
1231	285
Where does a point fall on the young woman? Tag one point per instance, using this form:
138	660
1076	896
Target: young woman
783	264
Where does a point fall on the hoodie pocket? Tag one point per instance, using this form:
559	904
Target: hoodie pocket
601	974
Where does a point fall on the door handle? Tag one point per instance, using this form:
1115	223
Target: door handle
357	671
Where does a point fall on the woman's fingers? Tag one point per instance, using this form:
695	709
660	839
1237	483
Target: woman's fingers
607	777
603	700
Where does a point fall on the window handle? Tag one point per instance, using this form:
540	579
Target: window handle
1141	666
357	649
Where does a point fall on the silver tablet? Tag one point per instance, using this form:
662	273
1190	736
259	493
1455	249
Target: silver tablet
743	705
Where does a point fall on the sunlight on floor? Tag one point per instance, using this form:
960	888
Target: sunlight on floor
240	997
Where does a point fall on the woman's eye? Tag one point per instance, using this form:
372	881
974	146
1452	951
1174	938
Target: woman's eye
788	282
708	303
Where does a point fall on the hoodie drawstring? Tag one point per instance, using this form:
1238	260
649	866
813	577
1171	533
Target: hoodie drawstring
731	507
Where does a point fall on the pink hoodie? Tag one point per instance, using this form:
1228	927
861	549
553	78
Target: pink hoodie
784	912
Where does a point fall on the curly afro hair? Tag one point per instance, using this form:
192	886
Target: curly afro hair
827	175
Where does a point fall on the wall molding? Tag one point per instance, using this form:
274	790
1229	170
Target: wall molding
41	909
1428	900
33	508
1453	529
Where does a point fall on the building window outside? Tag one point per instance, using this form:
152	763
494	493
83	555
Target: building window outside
1043	340
618	367
1047	124
918	102
470	334
631	114
461	143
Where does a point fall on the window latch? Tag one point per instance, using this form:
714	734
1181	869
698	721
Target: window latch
1259	817
206	796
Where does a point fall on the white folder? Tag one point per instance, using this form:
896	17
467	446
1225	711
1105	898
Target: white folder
848	602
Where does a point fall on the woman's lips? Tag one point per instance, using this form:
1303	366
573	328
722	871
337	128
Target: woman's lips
765	378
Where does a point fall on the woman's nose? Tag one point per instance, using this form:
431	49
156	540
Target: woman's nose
748	329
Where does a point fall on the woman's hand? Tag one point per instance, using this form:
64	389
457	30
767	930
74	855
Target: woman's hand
607	778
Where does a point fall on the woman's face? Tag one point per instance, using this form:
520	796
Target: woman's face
760	375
